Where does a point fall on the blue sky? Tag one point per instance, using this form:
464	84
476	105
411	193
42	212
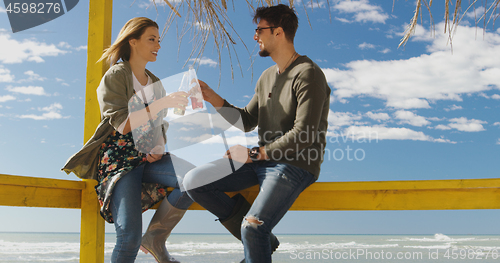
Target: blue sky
428	110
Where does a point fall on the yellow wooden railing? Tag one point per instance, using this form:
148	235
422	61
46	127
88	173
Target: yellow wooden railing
321	196
385	195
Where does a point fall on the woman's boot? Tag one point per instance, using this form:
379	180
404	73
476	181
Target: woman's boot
159	229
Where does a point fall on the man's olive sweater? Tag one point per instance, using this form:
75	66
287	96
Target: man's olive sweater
291	111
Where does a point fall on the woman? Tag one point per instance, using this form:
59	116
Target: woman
126	153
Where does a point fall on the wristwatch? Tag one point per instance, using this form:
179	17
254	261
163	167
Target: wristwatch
253	154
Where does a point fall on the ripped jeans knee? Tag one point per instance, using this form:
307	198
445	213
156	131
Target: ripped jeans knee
252	228
251	221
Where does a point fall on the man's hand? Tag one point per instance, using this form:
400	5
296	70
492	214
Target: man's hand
210	95
238	153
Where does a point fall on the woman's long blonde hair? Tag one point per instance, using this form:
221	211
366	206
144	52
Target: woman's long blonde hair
120	49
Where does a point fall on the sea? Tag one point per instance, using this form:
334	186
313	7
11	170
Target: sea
208	248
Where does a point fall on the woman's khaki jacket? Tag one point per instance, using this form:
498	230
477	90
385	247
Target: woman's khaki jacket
113	94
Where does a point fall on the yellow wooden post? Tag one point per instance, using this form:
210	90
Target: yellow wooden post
92	227
99	38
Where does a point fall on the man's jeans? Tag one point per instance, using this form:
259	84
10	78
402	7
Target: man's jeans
126	202
280	184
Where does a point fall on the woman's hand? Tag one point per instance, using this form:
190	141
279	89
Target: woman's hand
175	100
155	154
210	95
152	157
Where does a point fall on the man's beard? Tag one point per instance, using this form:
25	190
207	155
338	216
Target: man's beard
264	53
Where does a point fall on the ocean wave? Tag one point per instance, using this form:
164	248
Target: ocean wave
75	259
443	246
39	248
205	245
442	238
33	258
289	247
68	251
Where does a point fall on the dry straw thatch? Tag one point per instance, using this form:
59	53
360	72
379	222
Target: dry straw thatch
205	18
454	9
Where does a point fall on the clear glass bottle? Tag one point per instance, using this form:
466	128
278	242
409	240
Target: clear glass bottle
191	86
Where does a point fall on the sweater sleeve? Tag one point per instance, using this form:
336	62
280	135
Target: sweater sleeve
249	115
310	94
112	97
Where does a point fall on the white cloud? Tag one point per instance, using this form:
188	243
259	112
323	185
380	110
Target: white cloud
149	3
29	90
463	124
62	80
498	141
476	13
378	116
375	133
495	96
347	126
32	76
316	4
411	118
339	119
496	124
385	51
2	10
386	133
412	103
81	48
205	61
343	20
365	45
442	127
473	67
14	51
482	94
202	26
371	16
6	98
453	107
444	140
51	113
64	45
5	75
362	11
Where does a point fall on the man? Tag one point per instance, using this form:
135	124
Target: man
290	107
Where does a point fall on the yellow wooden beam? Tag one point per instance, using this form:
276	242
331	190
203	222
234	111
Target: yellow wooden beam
408	184
40	182
321	196
393	195
39	192
400	195
13	195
